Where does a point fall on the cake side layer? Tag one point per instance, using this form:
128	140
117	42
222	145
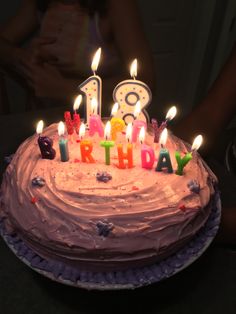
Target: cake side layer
150	212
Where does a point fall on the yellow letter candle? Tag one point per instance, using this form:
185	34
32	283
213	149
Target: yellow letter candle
117	124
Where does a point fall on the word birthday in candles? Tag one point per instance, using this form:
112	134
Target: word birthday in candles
45	143
63	142
128	92
182	162
73	125
92	87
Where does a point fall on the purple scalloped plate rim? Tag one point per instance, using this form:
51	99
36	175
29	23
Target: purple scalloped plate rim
117	280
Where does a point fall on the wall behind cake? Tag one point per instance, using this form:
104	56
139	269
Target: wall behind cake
184	39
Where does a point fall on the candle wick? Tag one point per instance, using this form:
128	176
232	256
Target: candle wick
162	146
94	73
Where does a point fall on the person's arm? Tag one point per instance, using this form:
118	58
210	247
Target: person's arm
14	32
130	39
216	110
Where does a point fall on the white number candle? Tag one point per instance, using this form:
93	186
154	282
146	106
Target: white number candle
92	87
128	92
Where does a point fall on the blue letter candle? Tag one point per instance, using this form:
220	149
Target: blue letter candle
164	157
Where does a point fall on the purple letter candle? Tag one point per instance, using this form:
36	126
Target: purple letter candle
45	143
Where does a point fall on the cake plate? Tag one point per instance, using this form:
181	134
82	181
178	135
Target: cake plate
129	279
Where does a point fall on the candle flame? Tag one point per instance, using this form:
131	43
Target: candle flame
129	132
197	142
163	137
82	130
107	131
77	102
39	129
61	128
137	109
142	135
114	109
133	68
94	105
96	60
171	113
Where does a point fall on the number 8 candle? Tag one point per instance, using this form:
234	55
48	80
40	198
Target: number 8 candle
128	92
92	87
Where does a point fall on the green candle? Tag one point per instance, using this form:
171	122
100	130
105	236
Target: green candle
107	144
182	162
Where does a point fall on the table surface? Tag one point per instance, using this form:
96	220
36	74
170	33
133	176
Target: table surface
207	286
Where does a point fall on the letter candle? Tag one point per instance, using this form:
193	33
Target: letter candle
86	146
107	144
137	124
63	142
164	161
92	87
128	92
147	153
74	124
117	124
157	130
182	162
45	143
95	122
129	155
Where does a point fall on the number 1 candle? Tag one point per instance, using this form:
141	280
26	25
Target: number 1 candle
182	162
92	87
128	92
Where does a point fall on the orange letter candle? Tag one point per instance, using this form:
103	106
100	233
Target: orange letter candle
86	146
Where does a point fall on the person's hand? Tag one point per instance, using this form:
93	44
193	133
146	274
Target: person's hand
49	83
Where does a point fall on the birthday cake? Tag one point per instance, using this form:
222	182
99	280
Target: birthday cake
97	216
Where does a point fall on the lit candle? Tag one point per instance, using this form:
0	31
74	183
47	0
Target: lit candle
86	146
74	124
95	122
63	142
45	143
164	161
92	87
117	124
128	92
107	144
137	124
158	129
147	153
122	156
182	162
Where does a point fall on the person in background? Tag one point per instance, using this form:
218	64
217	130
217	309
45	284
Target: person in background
211	118
64	36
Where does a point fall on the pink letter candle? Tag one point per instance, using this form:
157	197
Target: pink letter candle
95	122
45	143
147	153
137	124
164	161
